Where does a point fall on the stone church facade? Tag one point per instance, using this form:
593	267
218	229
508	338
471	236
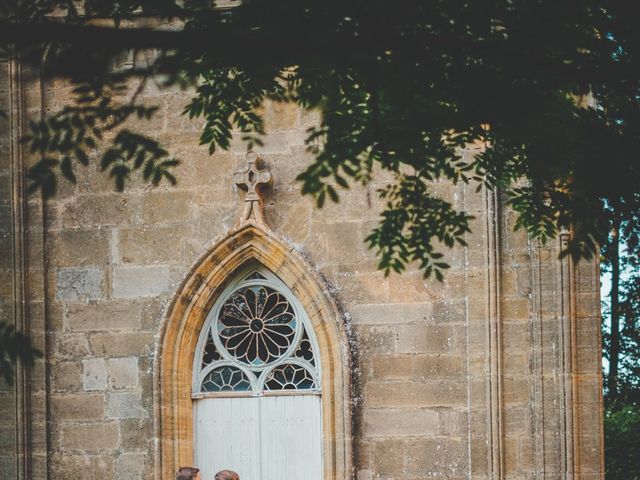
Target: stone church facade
492	374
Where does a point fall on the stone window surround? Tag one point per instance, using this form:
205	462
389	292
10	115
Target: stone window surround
186	316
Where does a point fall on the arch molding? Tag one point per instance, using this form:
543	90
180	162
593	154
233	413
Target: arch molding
187	315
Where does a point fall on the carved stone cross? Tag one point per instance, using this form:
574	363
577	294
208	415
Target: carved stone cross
252	179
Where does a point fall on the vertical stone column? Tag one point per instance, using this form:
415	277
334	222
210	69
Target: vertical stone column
22	275
566	365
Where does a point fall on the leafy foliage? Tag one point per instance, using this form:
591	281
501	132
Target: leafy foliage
622	443
14	346
69	137
623	349
403	89
621	343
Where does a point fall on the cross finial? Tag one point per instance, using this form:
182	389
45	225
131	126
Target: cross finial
251	179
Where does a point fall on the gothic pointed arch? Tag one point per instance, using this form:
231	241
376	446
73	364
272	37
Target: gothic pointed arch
239	249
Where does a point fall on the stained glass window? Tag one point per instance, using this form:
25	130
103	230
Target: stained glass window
225	379
256	339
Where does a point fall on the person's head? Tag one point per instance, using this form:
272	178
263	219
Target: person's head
188	473
227	475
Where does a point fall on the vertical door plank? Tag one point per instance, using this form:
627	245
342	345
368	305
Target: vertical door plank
227	436
291	437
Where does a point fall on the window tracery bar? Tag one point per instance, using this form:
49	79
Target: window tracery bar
256	341
226	379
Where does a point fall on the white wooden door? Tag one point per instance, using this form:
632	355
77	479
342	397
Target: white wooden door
256	385
262	438
227	436
291	437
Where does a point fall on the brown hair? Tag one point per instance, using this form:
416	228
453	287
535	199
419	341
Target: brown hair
227	475
186	473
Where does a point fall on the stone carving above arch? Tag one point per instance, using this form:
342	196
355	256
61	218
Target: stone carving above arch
237	250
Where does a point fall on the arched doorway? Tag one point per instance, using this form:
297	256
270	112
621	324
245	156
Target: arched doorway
210	282
256	384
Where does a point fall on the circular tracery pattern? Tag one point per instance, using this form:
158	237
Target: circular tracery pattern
289	377
256	325
225	379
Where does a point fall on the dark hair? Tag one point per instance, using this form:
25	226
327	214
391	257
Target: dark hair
227	475
186	473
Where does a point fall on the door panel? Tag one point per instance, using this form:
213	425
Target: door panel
227	437
291	440
262	438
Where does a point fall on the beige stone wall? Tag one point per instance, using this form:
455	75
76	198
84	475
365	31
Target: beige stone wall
492	374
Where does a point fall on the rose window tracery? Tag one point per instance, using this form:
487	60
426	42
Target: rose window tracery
256	341
257	325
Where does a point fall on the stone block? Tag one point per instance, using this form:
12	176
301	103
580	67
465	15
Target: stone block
80	284
136	434
138	281
151	244
79	247
122	344
429	367
344	243
412	287
515	390
429	339
67	376
515	309
130	466
388	458
413	394
280	116
400	422
100	210
90	436
454	311
125	405
453	422
374	339
390	313
71	345
87	407
122	372
166	207
366	288
439	458
87	467
94	374
392	367
96	316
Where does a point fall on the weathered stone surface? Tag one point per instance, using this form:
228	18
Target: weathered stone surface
131	466
400	422
136	434
148	245
122	372
71	346
413	394
425	353
107	316
136	282
87	407
125	405
100	210
67	376
80	247
390	313
444	458
80	465
80	284
429	339
94	374
90	436
121	344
